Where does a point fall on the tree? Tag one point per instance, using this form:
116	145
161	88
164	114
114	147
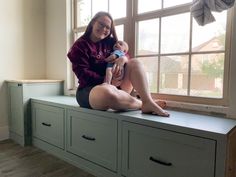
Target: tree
214	68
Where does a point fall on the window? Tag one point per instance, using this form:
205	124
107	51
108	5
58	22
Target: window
183	61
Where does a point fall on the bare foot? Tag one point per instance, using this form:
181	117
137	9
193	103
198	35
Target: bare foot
153	108
161	103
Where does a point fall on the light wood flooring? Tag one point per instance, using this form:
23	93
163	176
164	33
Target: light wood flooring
17	161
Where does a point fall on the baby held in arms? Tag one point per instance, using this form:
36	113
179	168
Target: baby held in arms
120	49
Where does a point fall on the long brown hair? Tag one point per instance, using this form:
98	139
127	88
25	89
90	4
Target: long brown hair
89	28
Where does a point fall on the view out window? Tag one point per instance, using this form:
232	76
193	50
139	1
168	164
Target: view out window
183	61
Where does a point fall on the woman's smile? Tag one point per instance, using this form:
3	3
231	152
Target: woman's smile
101	29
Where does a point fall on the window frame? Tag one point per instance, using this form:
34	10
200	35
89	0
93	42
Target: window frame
130	27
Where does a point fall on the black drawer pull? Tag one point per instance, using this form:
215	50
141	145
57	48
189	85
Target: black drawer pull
88	138
45	124
159	161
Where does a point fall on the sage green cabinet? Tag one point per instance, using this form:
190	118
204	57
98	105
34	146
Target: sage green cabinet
152	152
131	144
93	137
19	94
48	124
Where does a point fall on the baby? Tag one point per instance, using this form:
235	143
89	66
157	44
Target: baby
120	49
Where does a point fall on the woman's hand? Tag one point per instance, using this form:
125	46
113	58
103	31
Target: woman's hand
118	66
118	70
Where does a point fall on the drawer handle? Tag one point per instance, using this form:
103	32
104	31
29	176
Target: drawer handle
45	124
88	138
160	162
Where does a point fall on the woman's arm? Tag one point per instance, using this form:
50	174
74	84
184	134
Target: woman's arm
119	70
119	65
81	66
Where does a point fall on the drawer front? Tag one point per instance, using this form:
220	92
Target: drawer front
48	124
151	152
93	138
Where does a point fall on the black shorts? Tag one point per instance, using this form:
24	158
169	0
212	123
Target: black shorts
82	97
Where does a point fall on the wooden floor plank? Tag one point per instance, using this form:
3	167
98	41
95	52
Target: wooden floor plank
17	161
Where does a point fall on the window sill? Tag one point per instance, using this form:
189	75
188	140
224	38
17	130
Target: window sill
201	108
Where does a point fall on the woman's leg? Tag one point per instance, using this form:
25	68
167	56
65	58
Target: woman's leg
105	96
136	77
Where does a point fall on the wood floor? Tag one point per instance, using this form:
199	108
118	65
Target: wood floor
17	161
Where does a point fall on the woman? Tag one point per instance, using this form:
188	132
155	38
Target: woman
89	57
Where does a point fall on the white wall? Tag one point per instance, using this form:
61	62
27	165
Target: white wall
57	38
22	46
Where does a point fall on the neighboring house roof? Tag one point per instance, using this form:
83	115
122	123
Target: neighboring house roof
212	44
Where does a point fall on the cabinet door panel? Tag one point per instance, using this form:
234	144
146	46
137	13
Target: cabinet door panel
93	138
48	124
150	152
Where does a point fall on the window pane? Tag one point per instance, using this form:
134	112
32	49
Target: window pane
151	67
175	33
174	74
210	37
99	5
207	75
117	8
148	5
77	35
120	32
171	3
148	37
83	12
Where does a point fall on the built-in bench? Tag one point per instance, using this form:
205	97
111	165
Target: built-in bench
132	144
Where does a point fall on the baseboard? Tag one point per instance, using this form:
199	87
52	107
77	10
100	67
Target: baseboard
4	133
